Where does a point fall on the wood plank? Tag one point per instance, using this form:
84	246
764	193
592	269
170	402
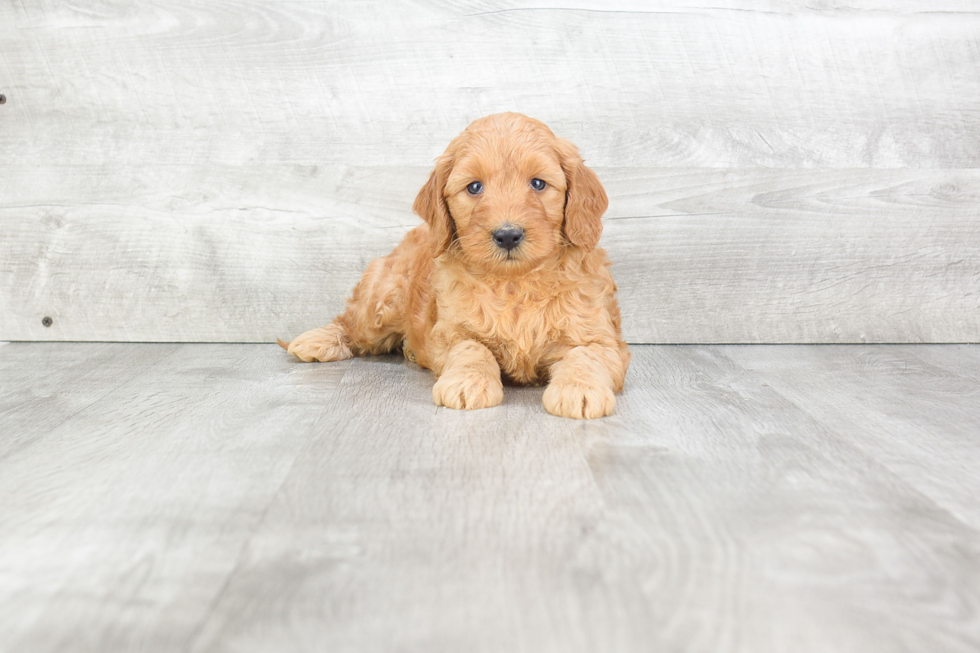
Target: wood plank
708	514
754	505
913	417
224	253
120	526
782	257
404	495
692	84
961	360
230	499
39	395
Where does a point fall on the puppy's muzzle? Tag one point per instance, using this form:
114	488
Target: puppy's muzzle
508	237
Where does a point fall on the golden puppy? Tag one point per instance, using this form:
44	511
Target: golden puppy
504	279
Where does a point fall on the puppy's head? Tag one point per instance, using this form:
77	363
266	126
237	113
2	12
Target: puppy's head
508	194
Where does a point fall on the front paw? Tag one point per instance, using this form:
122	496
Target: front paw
578	400
328	343
467	390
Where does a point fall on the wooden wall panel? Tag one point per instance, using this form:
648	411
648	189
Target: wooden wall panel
778	172
377	83
707	256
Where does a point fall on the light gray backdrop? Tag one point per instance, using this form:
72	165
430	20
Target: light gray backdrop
798	171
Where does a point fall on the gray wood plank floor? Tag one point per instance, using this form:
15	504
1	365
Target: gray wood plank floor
742	498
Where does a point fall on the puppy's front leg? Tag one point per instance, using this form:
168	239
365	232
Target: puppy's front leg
329	343
583	383
470	378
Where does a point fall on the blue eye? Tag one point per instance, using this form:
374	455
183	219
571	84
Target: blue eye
538	184
475	188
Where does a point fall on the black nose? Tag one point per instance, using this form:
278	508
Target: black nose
508	237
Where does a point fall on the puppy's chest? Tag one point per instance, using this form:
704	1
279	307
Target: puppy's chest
521	324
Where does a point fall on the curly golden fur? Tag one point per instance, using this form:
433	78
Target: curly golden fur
476	312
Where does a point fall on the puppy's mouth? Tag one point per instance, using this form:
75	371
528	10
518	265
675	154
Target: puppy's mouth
508	260
512	257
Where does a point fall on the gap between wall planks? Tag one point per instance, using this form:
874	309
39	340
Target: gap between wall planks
225	173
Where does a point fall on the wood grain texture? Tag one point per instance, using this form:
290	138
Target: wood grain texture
143	499
780	171
700	256
895	404
230	499
39	396
690	84
962	360
751	499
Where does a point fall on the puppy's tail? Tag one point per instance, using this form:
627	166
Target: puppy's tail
284	345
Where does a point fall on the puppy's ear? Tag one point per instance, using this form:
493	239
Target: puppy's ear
585	199
430	205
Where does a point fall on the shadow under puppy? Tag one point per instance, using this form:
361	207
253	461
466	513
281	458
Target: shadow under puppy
504	279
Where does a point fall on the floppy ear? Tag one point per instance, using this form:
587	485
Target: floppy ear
430	205
585	199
